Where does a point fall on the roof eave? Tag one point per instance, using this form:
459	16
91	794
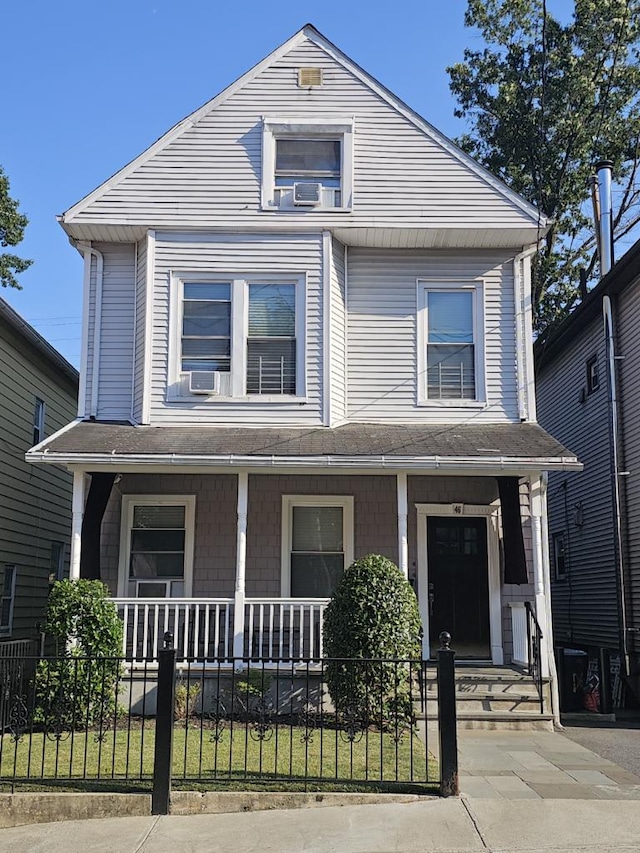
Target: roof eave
486	464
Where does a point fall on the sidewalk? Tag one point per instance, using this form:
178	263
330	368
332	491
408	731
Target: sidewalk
430	826
538	765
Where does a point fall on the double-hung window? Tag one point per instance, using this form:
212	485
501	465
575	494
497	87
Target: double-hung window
7	596
156	549
307	163
206	326
317	541
239	338
271	339
450	357
38	421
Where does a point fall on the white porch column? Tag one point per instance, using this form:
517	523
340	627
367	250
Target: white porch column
77	513
241	564
403	536
540	569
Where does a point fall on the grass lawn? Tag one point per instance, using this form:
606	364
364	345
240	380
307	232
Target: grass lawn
282	759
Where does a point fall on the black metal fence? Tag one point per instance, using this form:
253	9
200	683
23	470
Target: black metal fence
300	723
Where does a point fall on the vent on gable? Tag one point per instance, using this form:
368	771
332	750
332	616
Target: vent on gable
308	77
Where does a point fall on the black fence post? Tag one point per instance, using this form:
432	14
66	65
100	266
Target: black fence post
163	753
447	717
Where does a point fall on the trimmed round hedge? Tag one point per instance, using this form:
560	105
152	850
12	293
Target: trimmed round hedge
373	615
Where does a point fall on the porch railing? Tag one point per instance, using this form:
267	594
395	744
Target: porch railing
202	627
274	629
534	643
284	628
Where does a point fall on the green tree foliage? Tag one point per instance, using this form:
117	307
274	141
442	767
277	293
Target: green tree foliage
12	225
77	686
544	100
373	615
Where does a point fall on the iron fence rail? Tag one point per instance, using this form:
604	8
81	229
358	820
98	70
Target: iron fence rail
299	722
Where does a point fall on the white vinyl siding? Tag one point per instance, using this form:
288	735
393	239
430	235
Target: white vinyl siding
338	354
293	257
211	173
140	310
382	334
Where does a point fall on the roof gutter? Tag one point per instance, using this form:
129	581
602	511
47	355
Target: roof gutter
444	463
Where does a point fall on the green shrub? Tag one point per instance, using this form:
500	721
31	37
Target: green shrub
186	698
77	687
373	615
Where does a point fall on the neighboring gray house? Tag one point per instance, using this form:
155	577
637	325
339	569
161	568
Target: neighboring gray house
307	338
594	527
39	392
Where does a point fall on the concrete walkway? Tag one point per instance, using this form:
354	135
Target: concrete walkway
429	826
536	765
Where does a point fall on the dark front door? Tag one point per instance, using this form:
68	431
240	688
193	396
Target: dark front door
459	585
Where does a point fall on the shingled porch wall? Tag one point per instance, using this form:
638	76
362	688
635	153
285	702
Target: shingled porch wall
375	524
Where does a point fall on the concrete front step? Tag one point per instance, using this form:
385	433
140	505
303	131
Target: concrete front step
492	698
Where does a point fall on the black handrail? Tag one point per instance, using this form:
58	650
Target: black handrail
534	644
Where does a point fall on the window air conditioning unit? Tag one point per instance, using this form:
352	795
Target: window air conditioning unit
307	193
204	382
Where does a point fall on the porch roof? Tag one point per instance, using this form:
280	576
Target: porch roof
495	446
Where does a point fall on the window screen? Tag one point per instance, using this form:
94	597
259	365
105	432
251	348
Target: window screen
271	343
206	327
450	346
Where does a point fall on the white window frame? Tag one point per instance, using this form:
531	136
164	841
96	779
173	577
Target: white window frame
177	382
288	503
6	630
327	127
443	285
126	522
38	420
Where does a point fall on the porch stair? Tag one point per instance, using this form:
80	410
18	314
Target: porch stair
492	697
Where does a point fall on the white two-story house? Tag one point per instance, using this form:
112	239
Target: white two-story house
306	338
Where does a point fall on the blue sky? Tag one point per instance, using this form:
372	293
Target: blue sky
88	86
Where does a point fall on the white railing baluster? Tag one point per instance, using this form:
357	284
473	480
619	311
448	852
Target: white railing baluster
207	638
250	644
260	630
291	621
311	631
176	626
196	631
125	630
280	631
271	614
185	633
227	622
135	632
156	620
145	631
320	643
301	613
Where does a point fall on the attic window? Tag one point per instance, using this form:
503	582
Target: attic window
308	77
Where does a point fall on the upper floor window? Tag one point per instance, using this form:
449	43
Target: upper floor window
271	340
307	164
593	379
450	359
38	421
238	338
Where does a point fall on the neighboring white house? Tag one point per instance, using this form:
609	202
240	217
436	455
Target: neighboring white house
307	337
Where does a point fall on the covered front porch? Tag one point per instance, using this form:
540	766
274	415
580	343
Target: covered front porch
233	539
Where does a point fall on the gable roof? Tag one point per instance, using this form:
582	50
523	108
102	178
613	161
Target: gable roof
21	328
556	338
309	32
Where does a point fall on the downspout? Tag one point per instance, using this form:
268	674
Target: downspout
524	342
602	205
88	249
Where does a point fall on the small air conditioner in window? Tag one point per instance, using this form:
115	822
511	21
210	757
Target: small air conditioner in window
307	193
204	382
